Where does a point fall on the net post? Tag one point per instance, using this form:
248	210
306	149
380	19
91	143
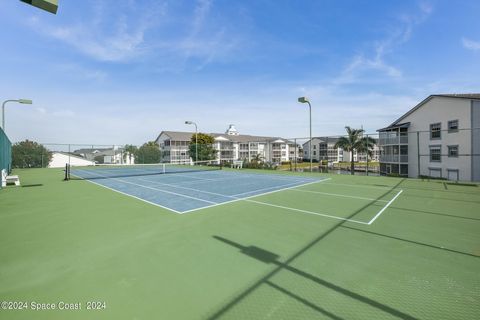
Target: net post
67	172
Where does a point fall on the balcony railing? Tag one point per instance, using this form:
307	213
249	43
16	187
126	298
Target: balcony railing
403	158
393	140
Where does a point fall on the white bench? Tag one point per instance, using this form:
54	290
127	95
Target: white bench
237	164
9	179
13	180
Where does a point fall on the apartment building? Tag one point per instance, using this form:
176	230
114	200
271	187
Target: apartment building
230	146
439	137
323	148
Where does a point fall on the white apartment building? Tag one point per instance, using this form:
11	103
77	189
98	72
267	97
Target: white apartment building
230	146
323	148
439	137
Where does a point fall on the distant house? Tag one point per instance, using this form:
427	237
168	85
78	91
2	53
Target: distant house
59	159
439	137
114	155
230	146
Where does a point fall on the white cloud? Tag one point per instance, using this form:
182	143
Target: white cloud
471	44
362	63
105	37
173	44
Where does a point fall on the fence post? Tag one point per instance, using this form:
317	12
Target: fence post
296	156
367	150
418	153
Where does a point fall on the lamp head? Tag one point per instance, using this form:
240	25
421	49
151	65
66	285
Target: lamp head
303	100
188	122
25	101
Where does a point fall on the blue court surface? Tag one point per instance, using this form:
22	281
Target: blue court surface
189	191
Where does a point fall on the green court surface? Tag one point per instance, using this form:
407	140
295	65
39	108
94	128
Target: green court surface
347	247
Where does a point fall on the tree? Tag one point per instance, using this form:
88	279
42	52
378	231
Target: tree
129	152
205	147
355	141
30	154
148	153
99	159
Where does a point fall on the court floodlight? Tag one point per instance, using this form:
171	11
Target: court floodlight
47	5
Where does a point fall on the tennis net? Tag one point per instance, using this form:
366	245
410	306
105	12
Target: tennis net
106	171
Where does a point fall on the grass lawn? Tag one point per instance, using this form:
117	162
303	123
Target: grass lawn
306	253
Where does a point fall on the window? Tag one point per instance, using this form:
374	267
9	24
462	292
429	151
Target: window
453	126
435	132
435	172
435	154
453	151
314	153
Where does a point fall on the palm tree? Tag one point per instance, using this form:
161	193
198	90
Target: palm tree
355	141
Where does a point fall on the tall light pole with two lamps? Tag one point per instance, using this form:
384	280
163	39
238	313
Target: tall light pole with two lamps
196	141
23	101
305	100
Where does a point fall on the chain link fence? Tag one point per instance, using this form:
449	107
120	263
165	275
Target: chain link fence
5	152
452	154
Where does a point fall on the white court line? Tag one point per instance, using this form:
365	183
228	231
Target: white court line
129	195
182	195
305	211
338	195
186	188
269	188
235	196
384	208
256	195
360	186
156	189
204	180
239	175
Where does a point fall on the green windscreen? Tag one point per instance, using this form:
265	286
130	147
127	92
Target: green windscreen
5	152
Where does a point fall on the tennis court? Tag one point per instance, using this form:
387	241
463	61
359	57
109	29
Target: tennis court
186	188
314	246
190	188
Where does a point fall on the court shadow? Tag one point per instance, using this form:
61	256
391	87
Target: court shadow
32	185
266	256
303	301
238	299
412	211
252	251
442	198
413	242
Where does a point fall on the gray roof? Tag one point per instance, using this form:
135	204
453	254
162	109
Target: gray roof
242	138
91	150
178	135
325	139
460	95
395	126
474	96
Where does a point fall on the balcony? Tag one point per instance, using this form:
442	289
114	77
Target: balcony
403	139
403	158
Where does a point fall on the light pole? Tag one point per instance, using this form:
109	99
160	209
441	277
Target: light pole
196	141
305	100
24	101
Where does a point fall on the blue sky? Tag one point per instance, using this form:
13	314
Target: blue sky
121	71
